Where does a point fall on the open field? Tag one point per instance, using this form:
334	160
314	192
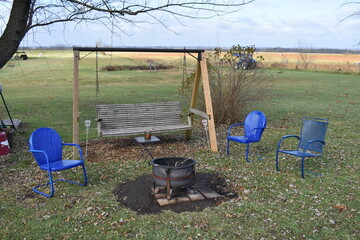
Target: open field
345	63
266	204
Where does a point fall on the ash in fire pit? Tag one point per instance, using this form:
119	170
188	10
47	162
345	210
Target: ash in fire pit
173	173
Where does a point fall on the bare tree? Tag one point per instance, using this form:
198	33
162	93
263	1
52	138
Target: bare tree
29	14
355	12
305	55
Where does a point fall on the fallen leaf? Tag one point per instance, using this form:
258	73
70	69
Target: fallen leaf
340	207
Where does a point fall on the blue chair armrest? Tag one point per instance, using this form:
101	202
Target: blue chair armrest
236	124
257	129
285	137
313	141
78	147
38	151
72	144
43	152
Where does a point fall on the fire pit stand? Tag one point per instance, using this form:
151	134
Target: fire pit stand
173	173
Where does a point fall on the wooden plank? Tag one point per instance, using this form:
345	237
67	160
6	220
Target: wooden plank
138	131
180	199
181	196
196	196
200	113
194	94
139	122
8	122
208	192
160	195
171	106
208	104
134	119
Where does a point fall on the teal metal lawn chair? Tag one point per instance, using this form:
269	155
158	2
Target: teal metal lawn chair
310	141
46	146
254	125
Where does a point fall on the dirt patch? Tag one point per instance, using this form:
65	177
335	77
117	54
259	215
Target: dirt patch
133	194
137	195
126	148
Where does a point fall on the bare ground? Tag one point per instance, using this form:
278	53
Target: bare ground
133	194
136	194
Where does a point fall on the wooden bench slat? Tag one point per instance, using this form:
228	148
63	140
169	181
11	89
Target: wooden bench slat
139	131
135	119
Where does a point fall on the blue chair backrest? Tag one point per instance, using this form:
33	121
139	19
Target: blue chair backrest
47	140
255	120
313	129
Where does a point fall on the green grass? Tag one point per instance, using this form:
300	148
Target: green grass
270	204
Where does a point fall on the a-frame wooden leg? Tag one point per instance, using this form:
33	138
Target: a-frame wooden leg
194	95
208	103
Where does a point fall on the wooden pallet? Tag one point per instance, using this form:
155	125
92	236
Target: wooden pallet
8	122
181	196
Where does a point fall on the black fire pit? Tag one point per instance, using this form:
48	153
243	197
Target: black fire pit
173	172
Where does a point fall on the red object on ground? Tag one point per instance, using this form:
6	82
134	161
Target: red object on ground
4	144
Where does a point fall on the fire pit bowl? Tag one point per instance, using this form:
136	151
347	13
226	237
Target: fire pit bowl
173	172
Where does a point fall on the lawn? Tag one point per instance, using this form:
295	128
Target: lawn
269	204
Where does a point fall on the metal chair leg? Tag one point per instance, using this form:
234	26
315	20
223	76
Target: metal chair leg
227	148
51	183
247	152
277	160
85	175
302	166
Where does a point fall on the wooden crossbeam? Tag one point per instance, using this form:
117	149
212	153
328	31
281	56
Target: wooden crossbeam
199	113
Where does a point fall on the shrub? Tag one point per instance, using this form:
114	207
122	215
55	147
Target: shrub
233	90
276	65
137	67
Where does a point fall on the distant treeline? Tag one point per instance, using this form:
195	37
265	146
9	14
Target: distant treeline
310	50
258	49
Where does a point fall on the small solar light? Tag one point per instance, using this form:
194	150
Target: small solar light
87	125
205	124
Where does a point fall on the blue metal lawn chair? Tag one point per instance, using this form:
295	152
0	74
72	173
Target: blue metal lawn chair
46	146
310	141
254	125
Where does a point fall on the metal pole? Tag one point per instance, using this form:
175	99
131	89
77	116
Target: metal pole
7	109
76	113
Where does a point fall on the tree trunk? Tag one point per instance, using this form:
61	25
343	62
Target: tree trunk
15	30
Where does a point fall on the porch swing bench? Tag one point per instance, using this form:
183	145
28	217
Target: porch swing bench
116	120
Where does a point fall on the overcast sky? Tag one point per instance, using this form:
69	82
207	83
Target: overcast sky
263	23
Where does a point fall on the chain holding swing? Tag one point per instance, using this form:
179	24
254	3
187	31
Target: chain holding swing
184	67
185	78
97	93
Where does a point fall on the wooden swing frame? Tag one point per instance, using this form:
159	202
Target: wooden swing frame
201	73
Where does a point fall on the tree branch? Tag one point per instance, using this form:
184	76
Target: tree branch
29	14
